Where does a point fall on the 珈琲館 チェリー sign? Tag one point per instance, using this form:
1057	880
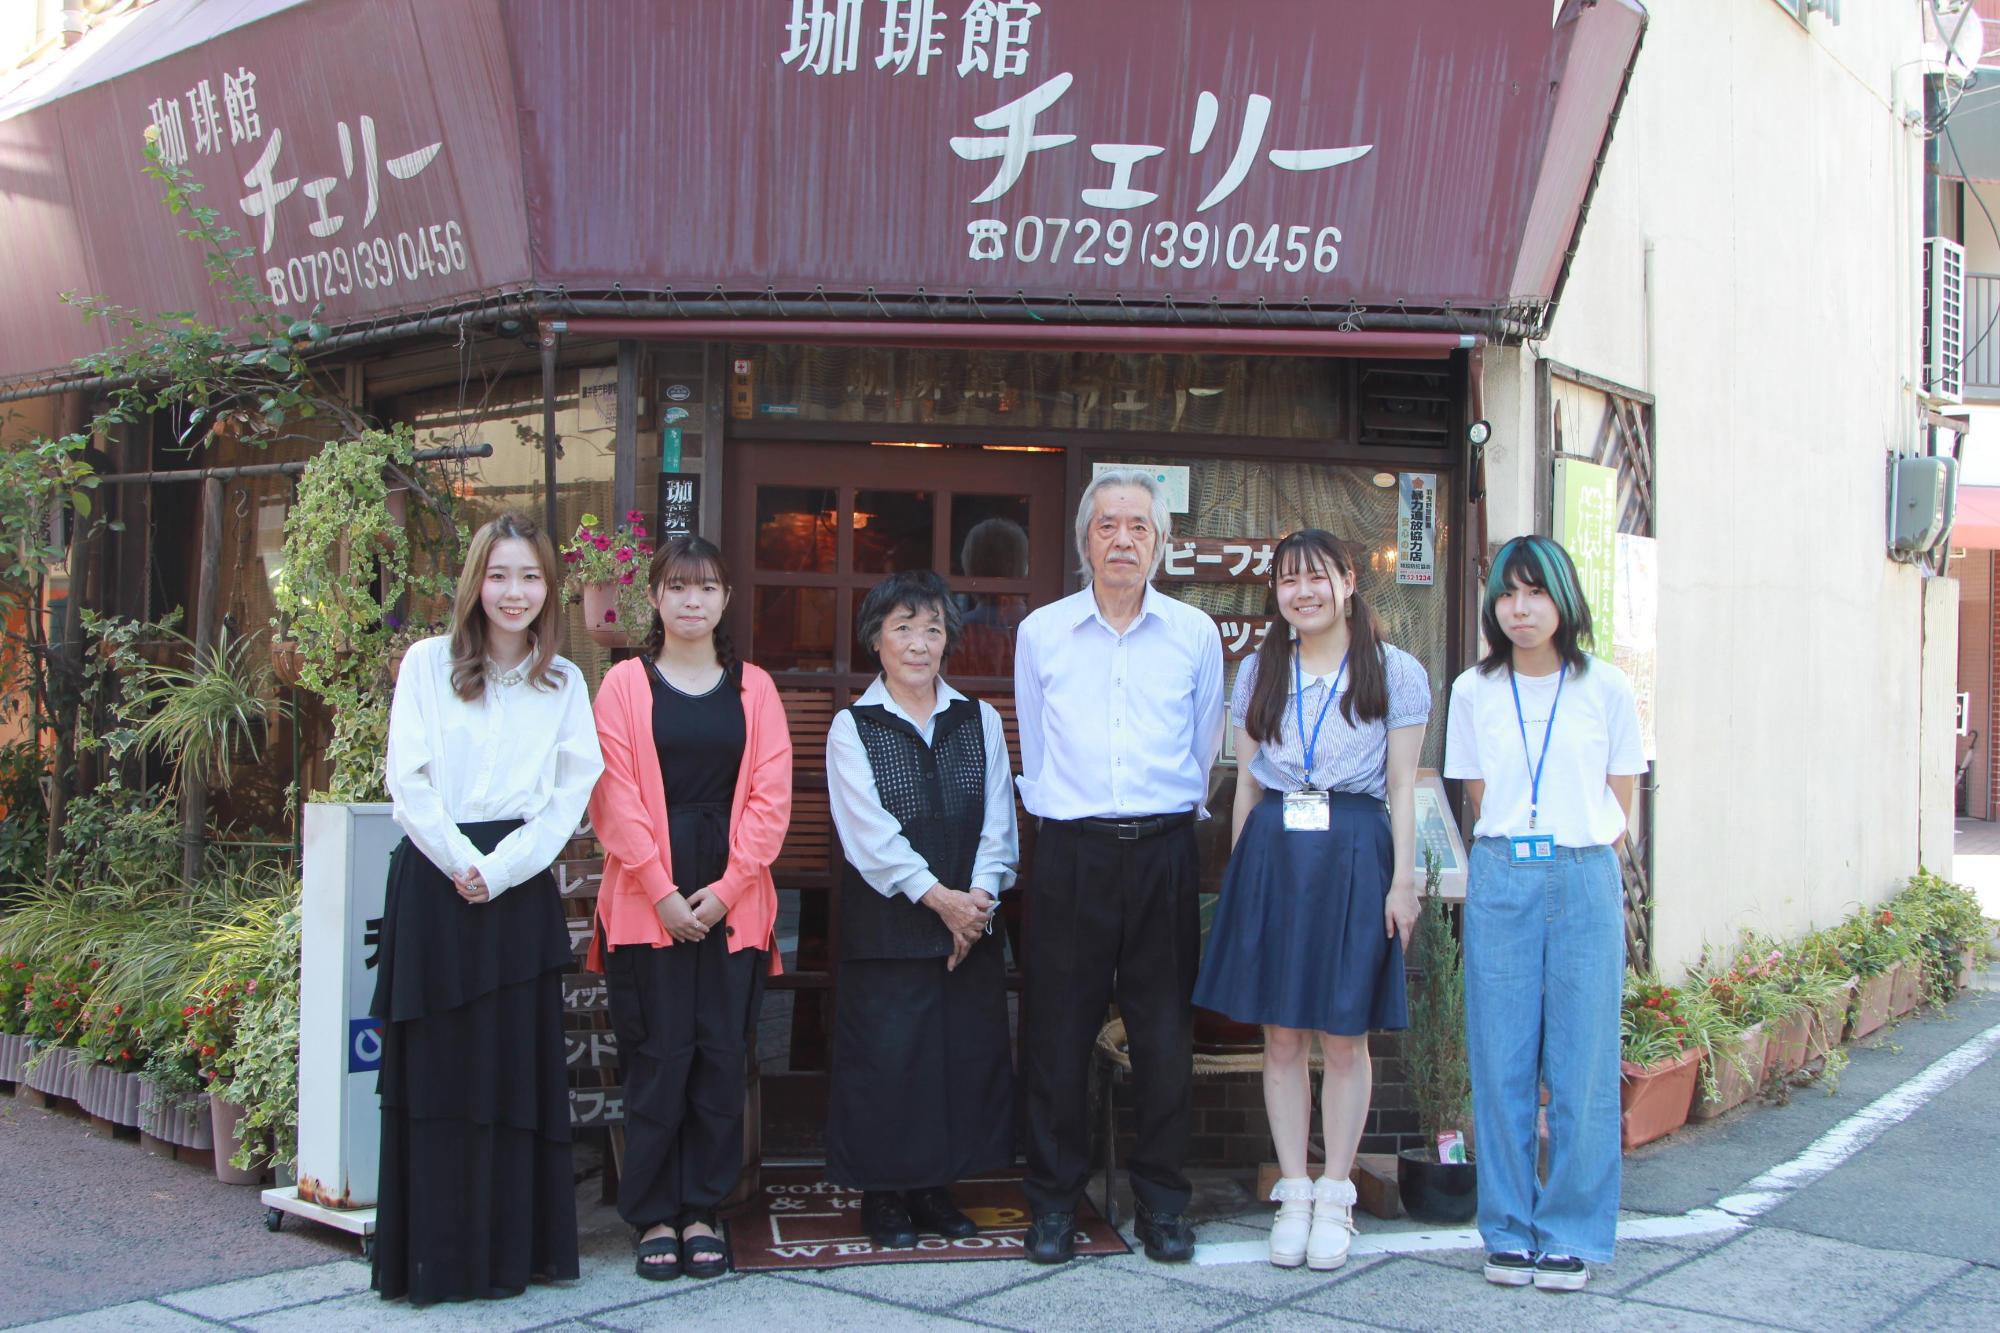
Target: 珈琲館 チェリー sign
386	156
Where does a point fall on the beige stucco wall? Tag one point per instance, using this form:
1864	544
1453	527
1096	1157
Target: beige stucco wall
1805	679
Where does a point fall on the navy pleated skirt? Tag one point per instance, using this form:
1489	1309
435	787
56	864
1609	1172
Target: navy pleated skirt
1298	939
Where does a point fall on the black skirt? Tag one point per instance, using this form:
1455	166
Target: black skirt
922	1086
476	1195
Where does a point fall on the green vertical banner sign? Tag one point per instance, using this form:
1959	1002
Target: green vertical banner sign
1587	526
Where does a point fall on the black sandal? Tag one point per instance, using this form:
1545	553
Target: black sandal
707	1256
654	1254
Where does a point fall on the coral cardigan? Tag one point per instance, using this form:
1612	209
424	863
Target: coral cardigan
628	811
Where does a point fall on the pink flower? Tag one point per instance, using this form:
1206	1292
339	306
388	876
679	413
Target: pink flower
626	578
638	529
624	554
571	557
610	615
634	515
601	543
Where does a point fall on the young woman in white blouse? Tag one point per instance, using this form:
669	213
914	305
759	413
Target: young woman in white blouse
1546	740
491	759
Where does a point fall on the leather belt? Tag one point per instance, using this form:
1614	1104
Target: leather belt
1129	830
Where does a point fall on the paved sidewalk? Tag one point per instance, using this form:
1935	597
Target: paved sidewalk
1872	1209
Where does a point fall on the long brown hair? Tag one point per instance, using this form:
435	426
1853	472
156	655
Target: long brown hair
468	615
1368	696
691	559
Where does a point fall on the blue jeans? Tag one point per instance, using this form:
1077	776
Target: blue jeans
1544	977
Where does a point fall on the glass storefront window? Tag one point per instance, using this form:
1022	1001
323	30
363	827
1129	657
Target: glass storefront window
892	531
794	629
1273	396
796	528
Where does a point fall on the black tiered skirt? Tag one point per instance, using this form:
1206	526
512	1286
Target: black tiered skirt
476	1195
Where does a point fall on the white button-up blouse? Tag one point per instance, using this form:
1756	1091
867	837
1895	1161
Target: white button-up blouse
517	752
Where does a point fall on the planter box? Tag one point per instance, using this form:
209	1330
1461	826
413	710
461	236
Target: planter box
225	1119
1655	1099
1829	1020
1906	987
110	1095
13	1055
1791	1041
185	1123
600	600
1871	1005
54	1074
1735	1083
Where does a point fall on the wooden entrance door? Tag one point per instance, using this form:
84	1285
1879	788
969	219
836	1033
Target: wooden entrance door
810	528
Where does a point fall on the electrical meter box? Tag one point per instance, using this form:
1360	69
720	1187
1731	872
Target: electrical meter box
1922	492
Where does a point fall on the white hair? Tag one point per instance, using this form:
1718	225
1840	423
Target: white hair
1139	479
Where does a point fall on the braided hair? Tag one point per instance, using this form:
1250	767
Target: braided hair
691	559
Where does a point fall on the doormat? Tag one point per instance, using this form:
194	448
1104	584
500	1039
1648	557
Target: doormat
801	1220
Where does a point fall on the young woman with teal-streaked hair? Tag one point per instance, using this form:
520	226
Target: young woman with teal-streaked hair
1546	739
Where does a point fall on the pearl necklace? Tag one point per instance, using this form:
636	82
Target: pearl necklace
512	676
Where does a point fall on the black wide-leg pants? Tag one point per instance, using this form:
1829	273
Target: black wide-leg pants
1109	917
685	1015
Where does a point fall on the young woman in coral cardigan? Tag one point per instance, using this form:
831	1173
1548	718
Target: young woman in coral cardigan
692	809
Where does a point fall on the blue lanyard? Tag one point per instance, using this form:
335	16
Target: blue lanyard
1299	695
1536	766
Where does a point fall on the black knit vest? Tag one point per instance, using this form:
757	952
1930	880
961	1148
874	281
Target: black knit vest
937	792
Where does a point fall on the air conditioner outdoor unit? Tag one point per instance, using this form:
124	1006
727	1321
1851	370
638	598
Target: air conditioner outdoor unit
1944	320
1923	493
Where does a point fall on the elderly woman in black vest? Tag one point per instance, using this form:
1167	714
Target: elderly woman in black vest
922	793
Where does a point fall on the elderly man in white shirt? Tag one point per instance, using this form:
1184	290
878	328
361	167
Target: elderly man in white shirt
1118	689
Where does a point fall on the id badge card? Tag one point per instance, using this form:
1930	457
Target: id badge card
1525	849
1307	811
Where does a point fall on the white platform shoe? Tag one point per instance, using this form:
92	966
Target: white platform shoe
1332	1224
1294	1197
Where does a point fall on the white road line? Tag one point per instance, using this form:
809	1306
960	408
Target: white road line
1862	1128
1754	1199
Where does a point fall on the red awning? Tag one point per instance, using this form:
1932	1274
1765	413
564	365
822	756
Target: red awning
1288	162
1976	524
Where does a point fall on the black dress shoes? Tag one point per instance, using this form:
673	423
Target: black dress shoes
933	1210
886	1219
1052	1239
1169	1237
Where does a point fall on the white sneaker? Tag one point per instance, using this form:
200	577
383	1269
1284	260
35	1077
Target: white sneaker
1294	1196
1332	1224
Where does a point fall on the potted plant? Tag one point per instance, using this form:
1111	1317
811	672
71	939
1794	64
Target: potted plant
1815	977
1436	1184
1660	1061
255	1093
1746	996
212	1019
1950	929
1871	946
16	975
607	574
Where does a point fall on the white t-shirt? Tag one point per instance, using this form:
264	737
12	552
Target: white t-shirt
1596	736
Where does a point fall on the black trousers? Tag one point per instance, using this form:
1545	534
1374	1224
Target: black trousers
1110	917
685	1016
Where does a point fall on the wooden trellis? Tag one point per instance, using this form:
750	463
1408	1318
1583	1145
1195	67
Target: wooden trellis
1595	420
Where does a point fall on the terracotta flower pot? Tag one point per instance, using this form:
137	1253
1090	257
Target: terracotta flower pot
600	615
1828	1021
1870	1008
1906	987
1655	1098
226	1120
1786	1052
288	661
1735	1084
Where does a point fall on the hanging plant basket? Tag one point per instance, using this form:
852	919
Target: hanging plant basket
1655	1098
287	661
600	615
